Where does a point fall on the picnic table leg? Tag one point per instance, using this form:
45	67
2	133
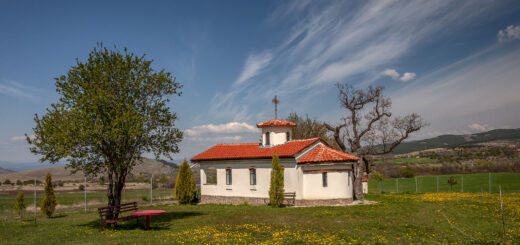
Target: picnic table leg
147	222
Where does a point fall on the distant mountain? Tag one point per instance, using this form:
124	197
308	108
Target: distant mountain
447	141
5	171
147	167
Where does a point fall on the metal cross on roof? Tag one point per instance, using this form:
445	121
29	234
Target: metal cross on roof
276	101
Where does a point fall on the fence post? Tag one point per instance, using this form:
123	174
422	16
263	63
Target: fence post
34	200
502	210
85	195
416	184
151	189
437	184
489	182
462	183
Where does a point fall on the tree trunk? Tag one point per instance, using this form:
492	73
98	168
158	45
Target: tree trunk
114	189
358	177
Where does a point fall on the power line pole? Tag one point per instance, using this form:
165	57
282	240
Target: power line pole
462	183
490	182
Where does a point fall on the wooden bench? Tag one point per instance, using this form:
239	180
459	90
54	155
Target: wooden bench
112	214
289	199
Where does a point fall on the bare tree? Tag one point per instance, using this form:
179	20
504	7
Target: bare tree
368	128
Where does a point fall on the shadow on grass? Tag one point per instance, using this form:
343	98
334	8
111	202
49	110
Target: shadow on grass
58	216
157	222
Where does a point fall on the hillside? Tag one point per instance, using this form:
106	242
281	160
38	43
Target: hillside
446	141
5	171
149	166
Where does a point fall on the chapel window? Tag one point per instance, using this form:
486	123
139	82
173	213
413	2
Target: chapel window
324	179
287	136
229	181
252	176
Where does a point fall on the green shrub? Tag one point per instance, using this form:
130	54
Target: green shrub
19	182
81	187
185	184
452	181
7	182
19	206
407	173
49	199
276	188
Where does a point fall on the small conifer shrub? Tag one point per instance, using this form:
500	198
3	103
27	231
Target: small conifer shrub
49	199
19	206
185	184
276	188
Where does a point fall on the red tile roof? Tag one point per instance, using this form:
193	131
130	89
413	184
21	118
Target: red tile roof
276	122
253	150
324	153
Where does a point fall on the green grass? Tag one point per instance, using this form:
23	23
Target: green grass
75	201
395	219
407	160
474	183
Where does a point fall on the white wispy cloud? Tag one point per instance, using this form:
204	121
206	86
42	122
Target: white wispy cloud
480	127
253	65
15	89
327	45
391	73
21	138
227	128
407	76
512	32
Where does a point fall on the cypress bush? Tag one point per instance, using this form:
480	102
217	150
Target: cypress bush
49	199
19	206
276	188
185	184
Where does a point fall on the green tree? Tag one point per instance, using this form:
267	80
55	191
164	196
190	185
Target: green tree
452	181
276	188
112	108
49	199
185	185
310	128
7	182
19	206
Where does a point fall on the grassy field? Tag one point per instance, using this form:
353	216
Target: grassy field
474	183
434	218
70	202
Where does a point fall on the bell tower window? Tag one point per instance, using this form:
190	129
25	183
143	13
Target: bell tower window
287	136
267	139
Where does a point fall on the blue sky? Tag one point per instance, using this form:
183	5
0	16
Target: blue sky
454	62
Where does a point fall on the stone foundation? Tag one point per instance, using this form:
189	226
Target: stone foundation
324	202
206	199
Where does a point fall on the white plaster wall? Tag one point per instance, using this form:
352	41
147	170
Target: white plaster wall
339	183
240	177
277	135
365	187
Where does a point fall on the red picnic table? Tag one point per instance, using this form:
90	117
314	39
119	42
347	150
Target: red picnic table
148	213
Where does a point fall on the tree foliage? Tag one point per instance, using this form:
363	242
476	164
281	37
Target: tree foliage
185	185
19	206
368	127
48	205
276	188
309	128
112	108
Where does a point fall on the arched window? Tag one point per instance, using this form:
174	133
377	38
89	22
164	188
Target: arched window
267	139
287	136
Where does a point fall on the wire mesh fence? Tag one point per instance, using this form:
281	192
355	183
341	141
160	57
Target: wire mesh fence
80	201
472	183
